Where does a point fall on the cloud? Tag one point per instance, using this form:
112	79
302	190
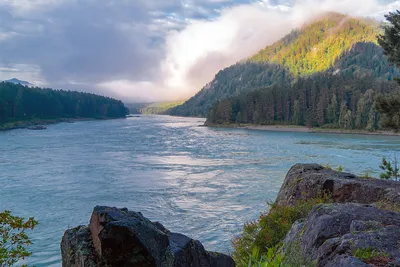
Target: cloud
147	50
197	52
87	41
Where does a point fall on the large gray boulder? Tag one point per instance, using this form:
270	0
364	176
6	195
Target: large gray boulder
305	181
119	237
336	235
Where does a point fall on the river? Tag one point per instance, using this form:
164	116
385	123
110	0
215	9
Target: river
199	181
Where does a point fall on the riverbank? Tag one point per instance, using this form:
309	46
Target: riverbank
299	129
31	123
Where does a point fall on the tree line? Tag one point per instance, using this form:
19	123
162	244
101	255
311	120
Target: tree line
322	100
22	103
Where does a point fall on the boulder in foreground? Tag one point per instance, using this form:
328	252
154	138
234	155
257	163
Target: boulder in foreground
305	181
336	235
119	237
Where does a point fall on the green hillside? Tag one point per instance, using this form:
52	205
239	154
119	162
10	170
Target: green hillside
160	108
317	46
333	44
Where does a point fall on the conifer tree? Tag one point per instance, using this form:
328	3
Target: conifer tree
389	106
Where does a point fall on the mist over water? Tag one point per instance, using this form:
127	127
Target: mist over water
198	181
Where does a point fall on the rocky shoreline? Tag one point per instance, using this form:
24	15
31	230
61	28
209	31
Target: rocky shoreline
359	227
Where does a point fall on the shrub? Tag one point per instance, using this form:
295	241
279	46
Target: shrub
13	238
271	228
340	168
272	258
390	169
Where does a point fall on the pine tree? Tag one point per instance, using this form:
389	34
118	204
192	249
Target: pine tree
348	120
256	117
390	39
361	107
297	113
343	112
332	110
389	106
372	119
239	117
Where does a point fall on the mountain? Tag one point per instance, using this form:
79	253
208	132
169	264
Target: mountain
333	44
16	81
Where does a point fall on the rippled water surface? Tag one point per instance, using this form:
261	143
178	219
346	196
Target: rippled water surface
199	181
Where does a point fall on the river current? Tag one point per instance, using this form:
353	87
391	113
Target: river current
199	181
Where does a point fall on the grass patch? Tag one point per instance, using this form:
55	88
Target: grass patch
339	168
271	228
384	205
370	255
366	175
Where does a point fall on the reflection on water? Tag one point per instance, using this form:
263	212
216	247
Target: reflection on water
200	181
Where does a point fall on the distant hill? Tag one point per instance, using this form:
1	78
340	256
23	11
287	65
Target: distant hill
334	44
16	81
159	108
135	108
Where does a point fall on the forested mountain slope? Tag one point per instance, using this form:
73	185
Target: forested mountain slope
321	100
334	44
23	103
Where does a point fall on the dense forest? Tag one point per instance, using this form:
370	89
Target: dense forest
321	100
232	81
23	103
335	46
316	47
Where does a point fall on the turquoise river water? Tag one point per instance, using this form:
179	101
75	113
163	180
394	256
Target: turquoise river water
199	181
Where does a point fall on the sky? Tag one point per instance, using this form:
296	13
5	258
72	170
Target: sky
148	50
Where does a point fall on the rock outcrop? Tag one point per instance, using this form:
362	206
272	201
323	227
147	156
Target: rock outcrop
119	237
352	231
336	235
305	181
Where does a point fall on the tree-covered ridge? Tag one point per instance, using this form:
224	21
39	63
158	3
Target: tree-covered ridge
317	46
232	81
159	108
321	100
22	103
348	46
364	59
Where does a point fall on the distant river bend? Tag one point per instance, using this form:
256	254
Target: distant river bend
199	181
